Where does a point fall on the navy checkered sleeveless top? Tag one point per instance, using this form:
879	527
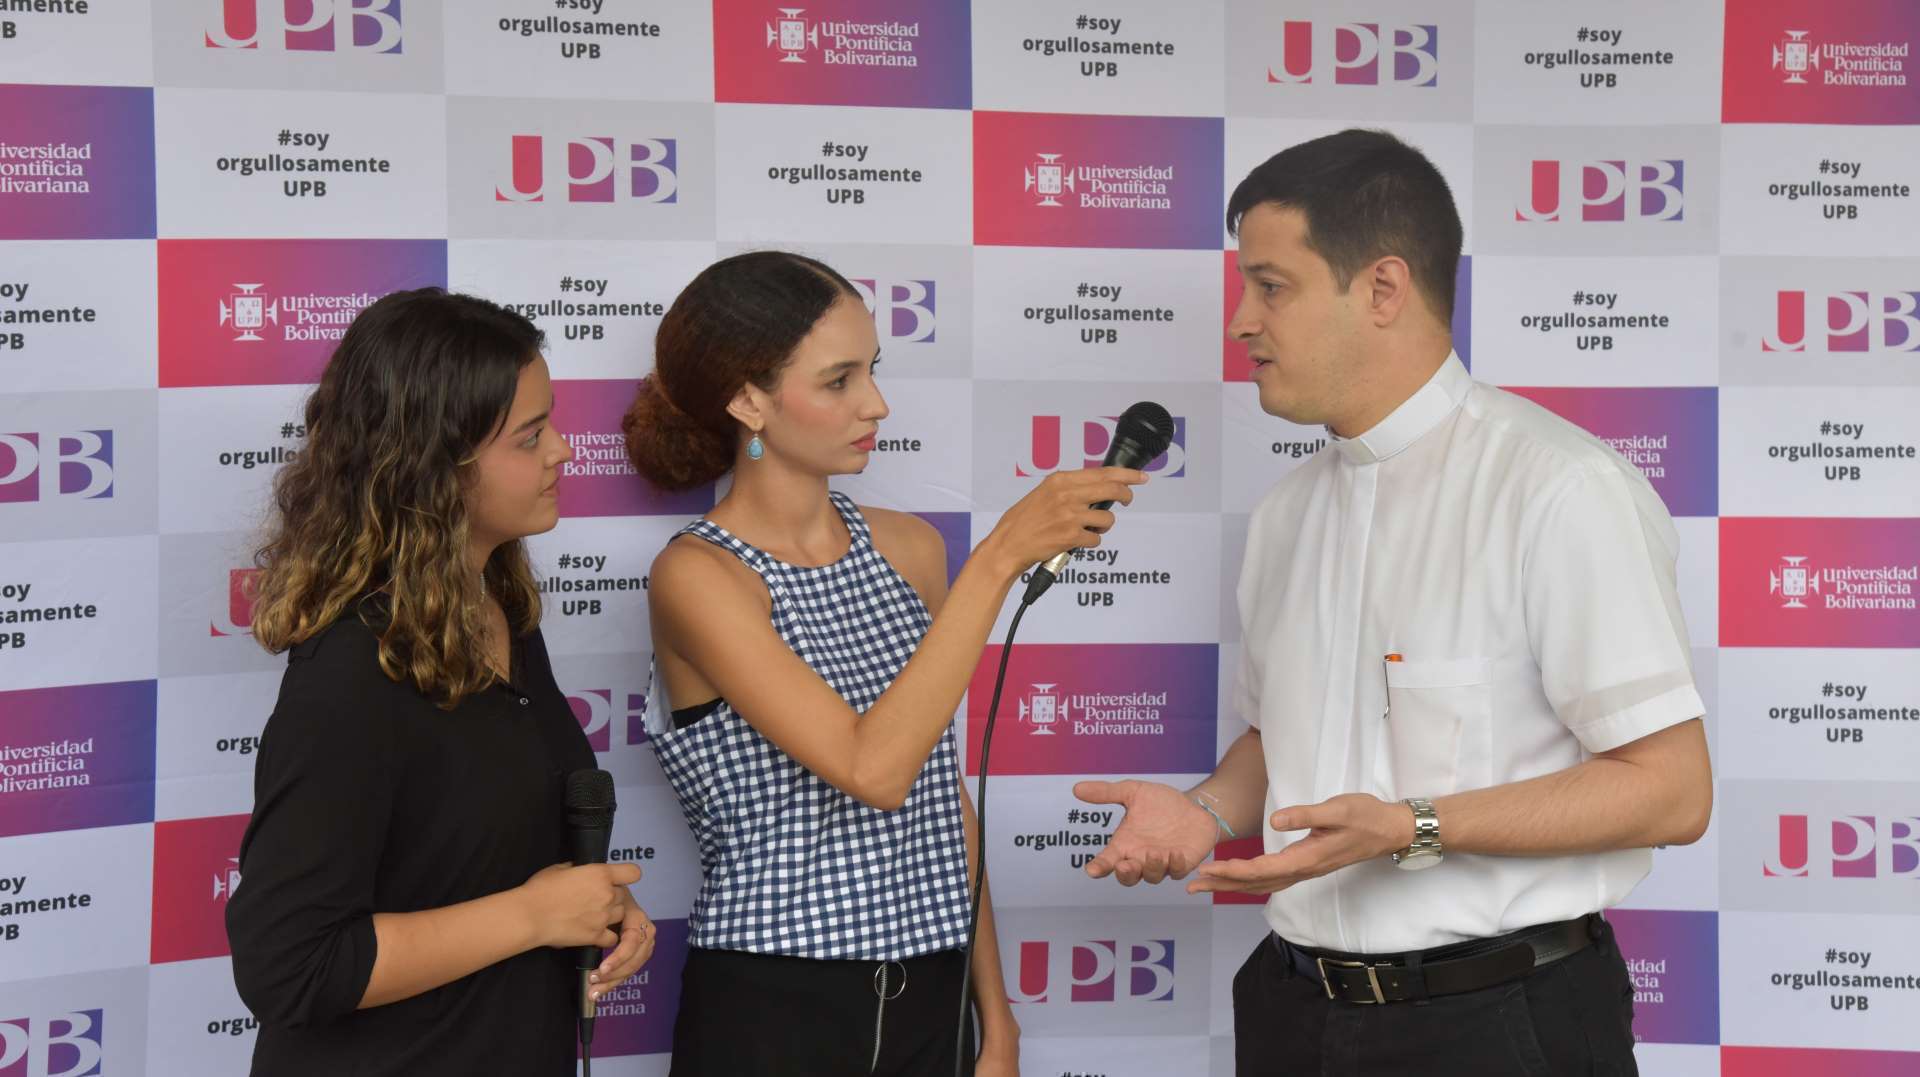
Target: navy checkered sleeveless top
791	865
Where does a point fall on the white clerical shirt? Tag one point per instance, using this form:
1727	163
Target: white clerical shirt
1473	592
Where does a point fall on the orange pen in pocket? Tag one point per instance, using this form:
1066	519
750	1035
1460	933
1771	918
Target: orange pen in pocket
1386	708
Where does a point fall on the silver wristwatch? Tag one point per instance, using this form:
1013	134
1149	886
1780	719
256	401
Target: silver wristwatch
1425	851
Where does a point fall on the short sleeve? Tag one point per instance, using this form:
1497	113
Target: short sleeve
1603	611
301	920
1249	592
1246	700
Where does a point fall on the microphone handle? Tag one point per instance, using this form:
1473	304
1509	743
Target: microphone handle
1058	561
589	846
1124	452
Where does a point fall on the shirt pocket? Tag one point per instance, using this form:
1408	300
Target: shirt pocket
1437	735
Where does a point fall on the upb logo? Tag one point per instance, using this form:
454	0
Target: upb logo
1796	56
1846	847
56	1045
1350	54
1793	581
1845	322
1048	179
238	619
902	309
248	312
306	26
592	169
599	710
1042	708
1095	970
1058	443
48	466
792	35
1605	191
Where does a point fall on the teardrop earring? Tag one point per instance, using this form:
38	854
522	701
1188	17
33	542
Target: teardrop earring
755	449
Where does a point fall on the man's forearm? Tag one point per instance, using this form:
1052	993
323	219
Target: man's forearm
1237	788
1656	791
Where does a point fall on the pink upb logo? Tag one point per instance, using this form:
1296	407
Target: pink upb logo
902	309
51	1045
1844	322
1605	191
1352	54
1059	444
1095	970
1846	847
46	466
590	169
601	710
307	26
238	618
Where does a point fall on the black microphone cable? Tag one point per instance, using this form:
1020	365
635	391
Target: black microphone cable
1141	434
960	1045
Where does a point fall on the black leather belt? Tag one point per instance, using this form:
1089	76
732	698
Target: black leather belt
1444	970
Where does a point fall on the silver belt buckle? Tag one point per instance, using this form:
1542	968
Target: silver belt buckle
1373	979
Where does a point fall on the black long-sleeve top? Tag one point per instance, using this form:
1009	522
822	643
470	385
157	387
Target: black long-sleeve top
368	798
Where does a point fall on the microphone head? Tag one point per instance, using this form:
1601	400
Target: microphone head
1148	426
589	794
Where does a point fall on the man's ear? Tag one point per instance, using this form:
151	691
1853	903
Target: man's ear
1390	290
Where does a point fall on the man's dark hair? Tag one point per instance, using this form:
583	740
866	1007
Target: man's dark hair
1366	195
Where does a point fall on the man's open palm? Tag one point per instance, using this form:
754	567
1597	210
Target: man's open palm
1164	834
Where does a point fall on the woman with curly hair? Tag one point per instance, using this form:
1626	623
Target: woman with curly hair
404	897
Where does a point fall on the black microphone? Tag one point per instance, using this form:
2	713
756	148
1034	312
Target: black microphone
589	832
1142	434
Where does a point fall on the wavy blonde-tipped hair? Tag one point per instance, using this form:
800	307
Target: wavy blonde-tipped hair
370	520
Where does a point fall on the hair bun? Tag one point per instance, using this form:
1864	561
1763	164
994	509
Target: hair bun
667	446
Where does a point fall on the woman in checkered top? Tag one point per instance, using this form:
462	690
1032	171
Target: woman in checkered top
814	654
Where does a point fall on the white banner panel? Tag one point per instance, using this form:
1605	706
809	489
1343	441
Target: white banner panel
531	48
788	174
78	315
1151	580
593	574
1819	452
1046	314
1128	57
196	1021
79	902
79	611
276	164
1821	980
1594	321
207	739
599	303
1851	189
1631	61
222	448
1828	715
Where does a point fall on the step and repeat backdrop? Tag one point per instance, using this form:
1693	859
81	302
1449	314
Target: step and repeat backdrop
1690	229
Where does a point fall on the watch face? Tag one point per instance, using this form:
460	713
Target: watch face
1419	858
